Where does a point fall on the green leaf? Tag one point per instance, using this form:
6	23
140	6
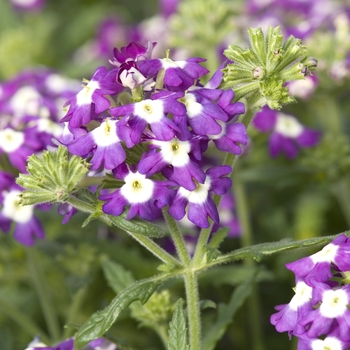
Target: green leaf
207	304
117	276
219	236
100	322
178	330
225	315
259	251
137	225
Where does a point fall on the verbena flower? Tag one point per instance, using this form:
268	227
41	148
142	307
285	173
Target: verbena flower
143	196
150	134
287	133
97	344
27	226
319	313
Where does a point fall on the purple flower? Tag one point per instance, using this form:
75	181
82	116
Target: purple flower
18	145
331	342
318	266
181	157
288	134
133	52
288	315
178	75
91	100
151	112
332	306
143	195
27	226
98	344
202	115
28	5
200	205
104	142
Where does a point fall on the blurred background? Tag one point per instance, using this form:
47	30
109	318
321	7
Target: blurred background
52	287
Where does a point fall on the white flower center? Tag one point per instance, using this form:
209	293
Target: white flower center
334	303
175	152
222	133
193	107
59	84
84	96
199	195
303	294
106	134
288	126
26	100
137	189
169	63
330	343
327	254
15	211
11	140
48	126
149	110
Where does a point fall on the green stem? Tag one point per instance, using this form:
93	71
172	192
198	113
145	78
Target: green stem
44	295
192	296
177	239
155	249
23	321
148	243
74	309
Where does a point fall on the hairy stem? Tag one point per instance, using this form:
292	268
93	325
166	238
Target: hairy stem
192	296
178	239
147	242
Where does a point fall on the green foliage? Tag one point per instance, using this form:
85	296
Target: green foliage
178	329
225	315
100	322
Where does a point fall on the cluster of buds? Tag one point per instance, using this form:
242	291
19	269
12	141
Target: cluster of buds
266	67
318	314
144	125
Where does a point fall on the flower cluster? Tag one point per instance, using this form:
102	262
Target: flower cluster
30	110
148	122
318	314
287	133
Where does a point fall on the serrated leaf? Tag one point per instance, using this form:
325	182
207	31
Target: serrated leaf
178	330
137	225
100	322
117	276
225	315
211	253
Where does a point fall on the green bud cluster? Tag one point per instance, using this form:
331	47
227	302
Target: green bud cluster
157	310
52	177
266	66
